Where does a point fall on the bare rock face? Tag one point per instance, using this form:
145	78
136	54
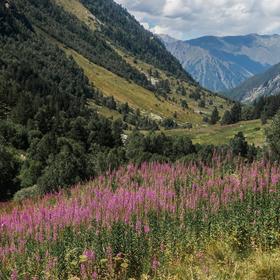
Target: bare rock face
9	5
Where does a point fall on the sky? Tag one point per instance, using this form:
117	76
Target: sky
187	19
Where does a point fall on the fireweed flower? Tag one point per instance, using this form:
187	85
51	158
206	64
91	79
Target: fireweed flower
90	255
155	264
167	191
14	275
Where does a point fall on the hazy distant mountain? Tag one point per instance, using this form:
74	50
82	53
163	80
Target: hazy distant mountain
222	63
265	84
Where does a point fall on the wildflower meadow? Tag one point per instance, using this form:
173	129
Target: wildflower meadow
131	223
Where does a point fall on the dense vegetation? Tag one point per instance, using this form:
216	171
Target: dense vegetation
133	222
45	121
264	107
50	137
68	30
232	116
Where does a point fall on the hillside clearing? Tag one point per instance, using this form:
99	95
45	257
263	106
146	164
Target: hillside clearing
127	91
254	132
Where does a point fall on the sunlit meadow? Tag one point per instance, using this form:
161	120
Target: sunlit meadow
146	223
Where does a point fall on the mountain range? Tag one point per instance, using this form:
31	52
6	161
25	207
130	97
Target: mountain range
223	63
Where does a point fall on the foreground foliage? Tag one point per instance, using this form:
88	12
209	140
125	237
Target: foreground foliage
137	221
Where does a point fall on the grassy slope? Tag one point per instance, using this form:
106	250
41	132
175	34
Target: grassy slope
126	91
217	100
138	97
253	131
143	99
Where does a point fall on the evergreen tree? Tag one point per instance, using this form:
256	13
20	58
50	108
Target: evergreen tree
273	136
264	118
184	104
232	116
215	117
236	113
239	145
8	170
202	103
226	118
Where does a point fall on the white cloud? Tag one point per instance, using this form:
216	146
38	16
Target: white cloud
193	18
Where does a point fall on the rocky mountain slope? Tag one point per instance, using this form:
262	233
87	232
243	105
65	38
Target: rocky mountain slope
265	84
222	63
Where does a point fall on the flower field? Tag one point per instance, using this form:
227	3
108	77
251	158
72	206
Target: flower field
129	224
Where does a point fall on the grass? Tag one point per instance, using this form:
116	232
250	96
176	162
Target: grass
140	98
217	101
127	91
80	11
218	260
106	112
254	132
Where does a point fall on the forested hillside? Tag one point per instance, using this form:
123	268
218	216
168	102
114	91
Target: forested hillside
60	82
68	30
44	112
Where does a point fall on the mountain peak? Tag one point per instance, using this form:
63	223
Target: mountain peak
167	38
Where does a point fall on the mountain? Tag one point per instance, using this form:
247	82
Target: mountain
265	84
222	63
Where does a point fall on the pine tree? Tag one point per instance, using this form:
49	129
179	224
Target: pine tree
236	113
215	116
226	118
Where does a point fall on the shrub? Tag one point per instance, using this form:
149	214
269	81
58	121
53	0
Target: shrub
8	170
273	136
26	193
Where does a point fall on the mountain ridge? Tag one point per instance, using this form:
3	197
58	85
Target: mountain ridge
262	85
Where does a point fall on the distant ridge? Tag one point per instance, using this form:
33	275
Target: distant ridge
265	84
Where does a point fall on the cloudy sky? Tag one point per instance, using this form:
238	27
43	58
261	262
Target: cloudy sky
186	19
